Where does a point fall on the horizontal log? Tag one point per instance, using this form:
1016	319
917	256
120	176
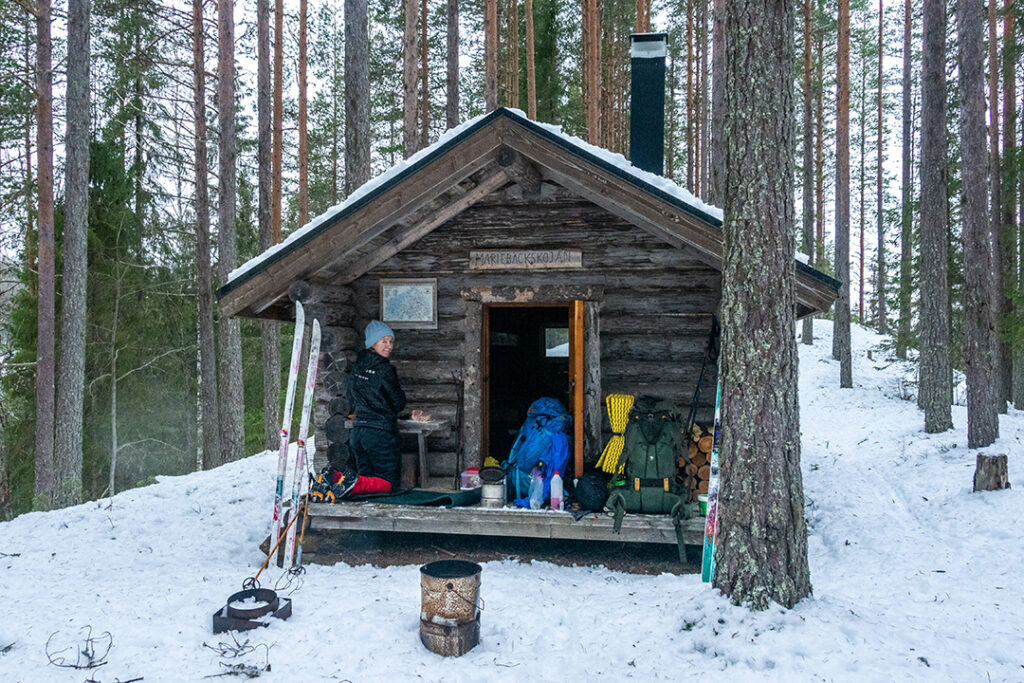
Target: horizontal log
338	406
335	429
636	347
299	290
335	383
339	338
330	294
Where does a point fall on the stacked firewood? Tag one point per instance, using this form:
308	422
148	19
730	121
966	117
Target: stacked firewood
700	439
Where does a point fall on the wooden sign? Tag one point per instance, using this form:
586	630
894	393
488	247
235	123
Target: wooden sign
525	259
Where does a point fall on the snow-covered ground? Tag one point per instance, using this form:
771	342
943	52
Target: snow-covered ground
915	577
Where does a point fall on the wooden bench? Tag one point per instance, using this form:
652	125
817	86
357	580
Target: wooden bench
636	528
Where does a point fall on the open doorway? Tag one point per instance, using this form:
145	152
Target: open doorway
527	351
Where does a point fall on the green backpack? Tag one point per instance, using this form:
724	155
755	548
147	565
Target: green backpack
653	447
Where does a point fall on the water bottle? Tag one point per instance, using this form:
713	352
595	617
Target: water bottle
556	492
536	490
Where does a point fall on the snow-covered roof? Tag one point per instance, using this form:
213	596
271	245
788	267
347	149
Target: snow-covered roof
704	220
620	163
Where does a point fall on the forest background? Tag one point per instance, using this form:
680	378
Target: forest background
143	406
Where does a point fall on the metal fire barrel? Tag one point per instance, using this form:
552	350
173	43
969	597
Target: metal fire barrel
449	609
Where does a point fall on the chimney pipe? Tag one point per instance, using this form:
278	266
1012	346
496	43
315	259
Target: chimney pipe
647	101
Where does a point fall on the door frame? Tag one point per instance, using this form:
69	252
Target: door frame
473	427
485	366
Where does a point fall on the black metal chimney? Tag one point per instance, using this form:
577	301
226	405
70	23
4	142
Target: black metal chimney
647	101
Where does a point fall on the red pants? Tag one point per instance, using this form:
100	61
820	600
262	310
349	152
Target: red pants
366	484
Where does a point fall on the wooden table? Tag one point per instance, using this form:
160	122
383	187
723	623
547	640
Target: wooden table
421	428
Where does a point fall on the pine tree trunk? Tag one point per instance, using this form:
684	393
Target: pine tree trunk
807	335
267	211
452	98
690	119
67	489
907	190
761	556
231	397
1002	377
715	191
28	179
643	16
979	267
933	391
46	316
303	134
862	115
512	52
705	138
819	147
592	43
337	105
841	327
881	312
424	79
490	55
5	484
410	139
278	143
531	70
1008	210
357	96
204	277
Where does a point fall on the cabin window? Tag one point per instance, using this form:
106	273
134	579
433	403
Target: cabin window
556	341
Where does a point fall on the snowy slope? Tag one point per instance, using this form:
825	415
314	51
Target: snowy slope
915	577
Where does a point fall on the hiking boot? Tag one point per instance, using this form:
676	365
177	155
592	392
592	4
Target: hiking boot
342	488
319	489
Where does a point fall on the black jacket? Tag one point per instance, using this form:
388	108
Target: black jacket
374	394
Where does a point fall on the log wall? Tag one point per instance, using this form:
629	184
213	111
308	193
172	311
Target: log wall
653	316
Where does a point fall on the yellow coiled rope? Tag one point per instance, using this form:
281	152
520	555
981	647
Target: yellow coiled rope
619	406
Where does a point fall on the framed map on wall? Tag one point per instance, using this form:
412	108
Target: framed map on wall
409	303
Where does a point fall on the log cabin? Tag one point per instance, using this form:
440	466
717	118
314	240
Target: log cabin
514	261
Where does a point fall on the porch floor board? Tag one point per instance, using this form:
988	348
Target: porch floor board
478	521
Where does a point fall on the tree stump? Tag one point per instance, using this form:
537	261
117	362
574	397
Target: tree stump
990	473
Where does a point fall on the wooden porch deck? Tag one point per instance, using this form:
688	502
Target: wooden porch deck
480	521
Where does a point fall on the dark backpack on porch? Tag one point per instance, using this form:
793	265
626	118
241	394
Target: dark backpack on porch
654	445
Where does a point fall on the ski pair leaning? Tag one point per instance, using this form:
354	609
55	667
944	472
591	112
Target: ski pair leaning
286	421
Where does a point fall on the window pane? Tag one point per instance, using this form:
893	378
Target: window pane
556	342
